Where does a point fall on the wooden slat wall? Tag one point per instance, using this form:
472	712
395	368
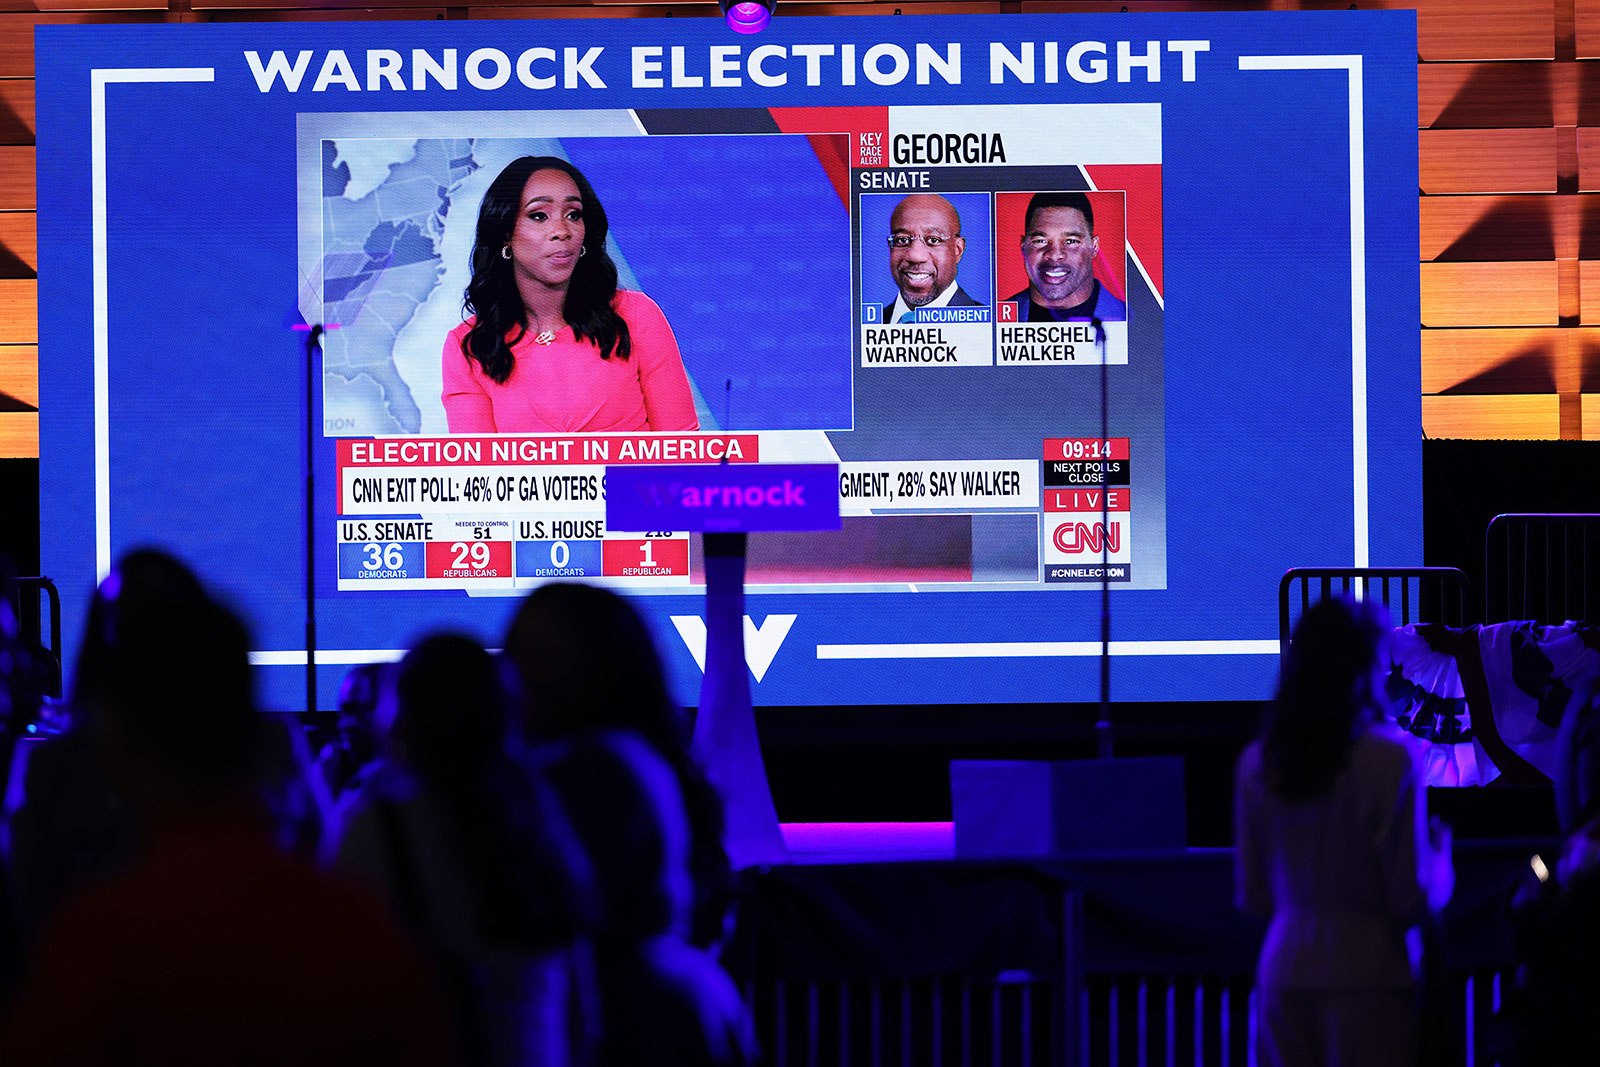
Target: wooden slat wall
1476	161
16	111
1508	122
19	254
274	14
19	259
19	433
1502	361
19	381
1505	294
16	32
1588	158
17	192
19	294
19	245
1453	96
1586	29
1465	229
292	5
19	311
19	373
89	6
1519	236
1511	418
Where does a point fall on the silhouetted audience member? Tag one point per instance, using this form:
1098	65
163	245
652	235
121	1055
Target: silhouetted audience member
584	662
25	678
1558	919
72	827
356	749
472	849
663	1001
214	945
287	782
1333	847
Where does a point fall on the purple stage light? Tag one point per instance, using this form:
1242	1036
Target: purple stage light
869	842
748	16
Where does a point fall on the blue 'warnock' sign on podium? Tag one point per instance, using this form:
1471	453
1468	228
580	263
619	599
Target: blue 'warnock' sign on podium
730	498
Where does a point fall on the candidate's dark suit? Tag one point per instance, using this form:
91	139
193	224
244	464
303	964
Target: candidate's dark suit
1106	307
958	299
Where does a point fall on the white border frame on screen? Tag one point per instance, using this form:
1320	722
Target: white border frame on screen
1358	395
1352	64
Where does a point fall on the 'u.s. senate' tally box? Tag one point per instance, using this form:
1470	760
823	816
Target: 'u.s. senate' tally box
503	512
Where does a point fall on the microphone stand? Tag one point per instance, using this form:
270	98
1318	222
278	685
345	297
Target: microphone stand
725	743
313	343
1103	728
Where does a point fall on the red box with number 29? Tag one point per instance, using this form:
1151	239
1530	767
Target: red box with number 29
469	559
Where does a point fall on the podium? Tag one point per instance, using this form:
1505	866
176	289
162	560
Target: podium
725	503
1052	807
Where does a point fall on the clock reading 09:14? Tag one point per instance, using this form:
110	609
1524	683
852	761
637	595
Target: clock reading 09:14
1080	448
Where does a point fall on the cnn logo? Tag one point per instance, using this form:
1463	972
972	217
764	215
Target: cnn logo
1083	537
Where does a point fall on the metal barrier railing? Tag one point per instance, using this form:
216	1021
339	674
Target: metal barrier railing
1124	1020
28	597
1412	594
1019	1020
1544	567
918	964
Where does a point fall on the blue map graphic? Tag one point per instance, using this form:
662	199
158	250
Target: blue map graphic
384	206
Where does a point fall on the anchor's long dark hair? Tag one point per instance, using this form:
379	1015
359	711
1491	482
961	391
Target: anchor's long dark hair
492	293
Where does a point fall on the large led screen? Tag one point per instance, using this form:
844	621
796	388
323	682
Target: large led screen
1069	300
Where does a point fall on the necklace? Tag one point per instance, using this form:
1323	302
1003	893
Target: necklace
542	336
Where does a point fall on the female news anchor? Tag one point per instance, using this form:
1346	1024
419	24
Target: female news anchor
1333	846
552	345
